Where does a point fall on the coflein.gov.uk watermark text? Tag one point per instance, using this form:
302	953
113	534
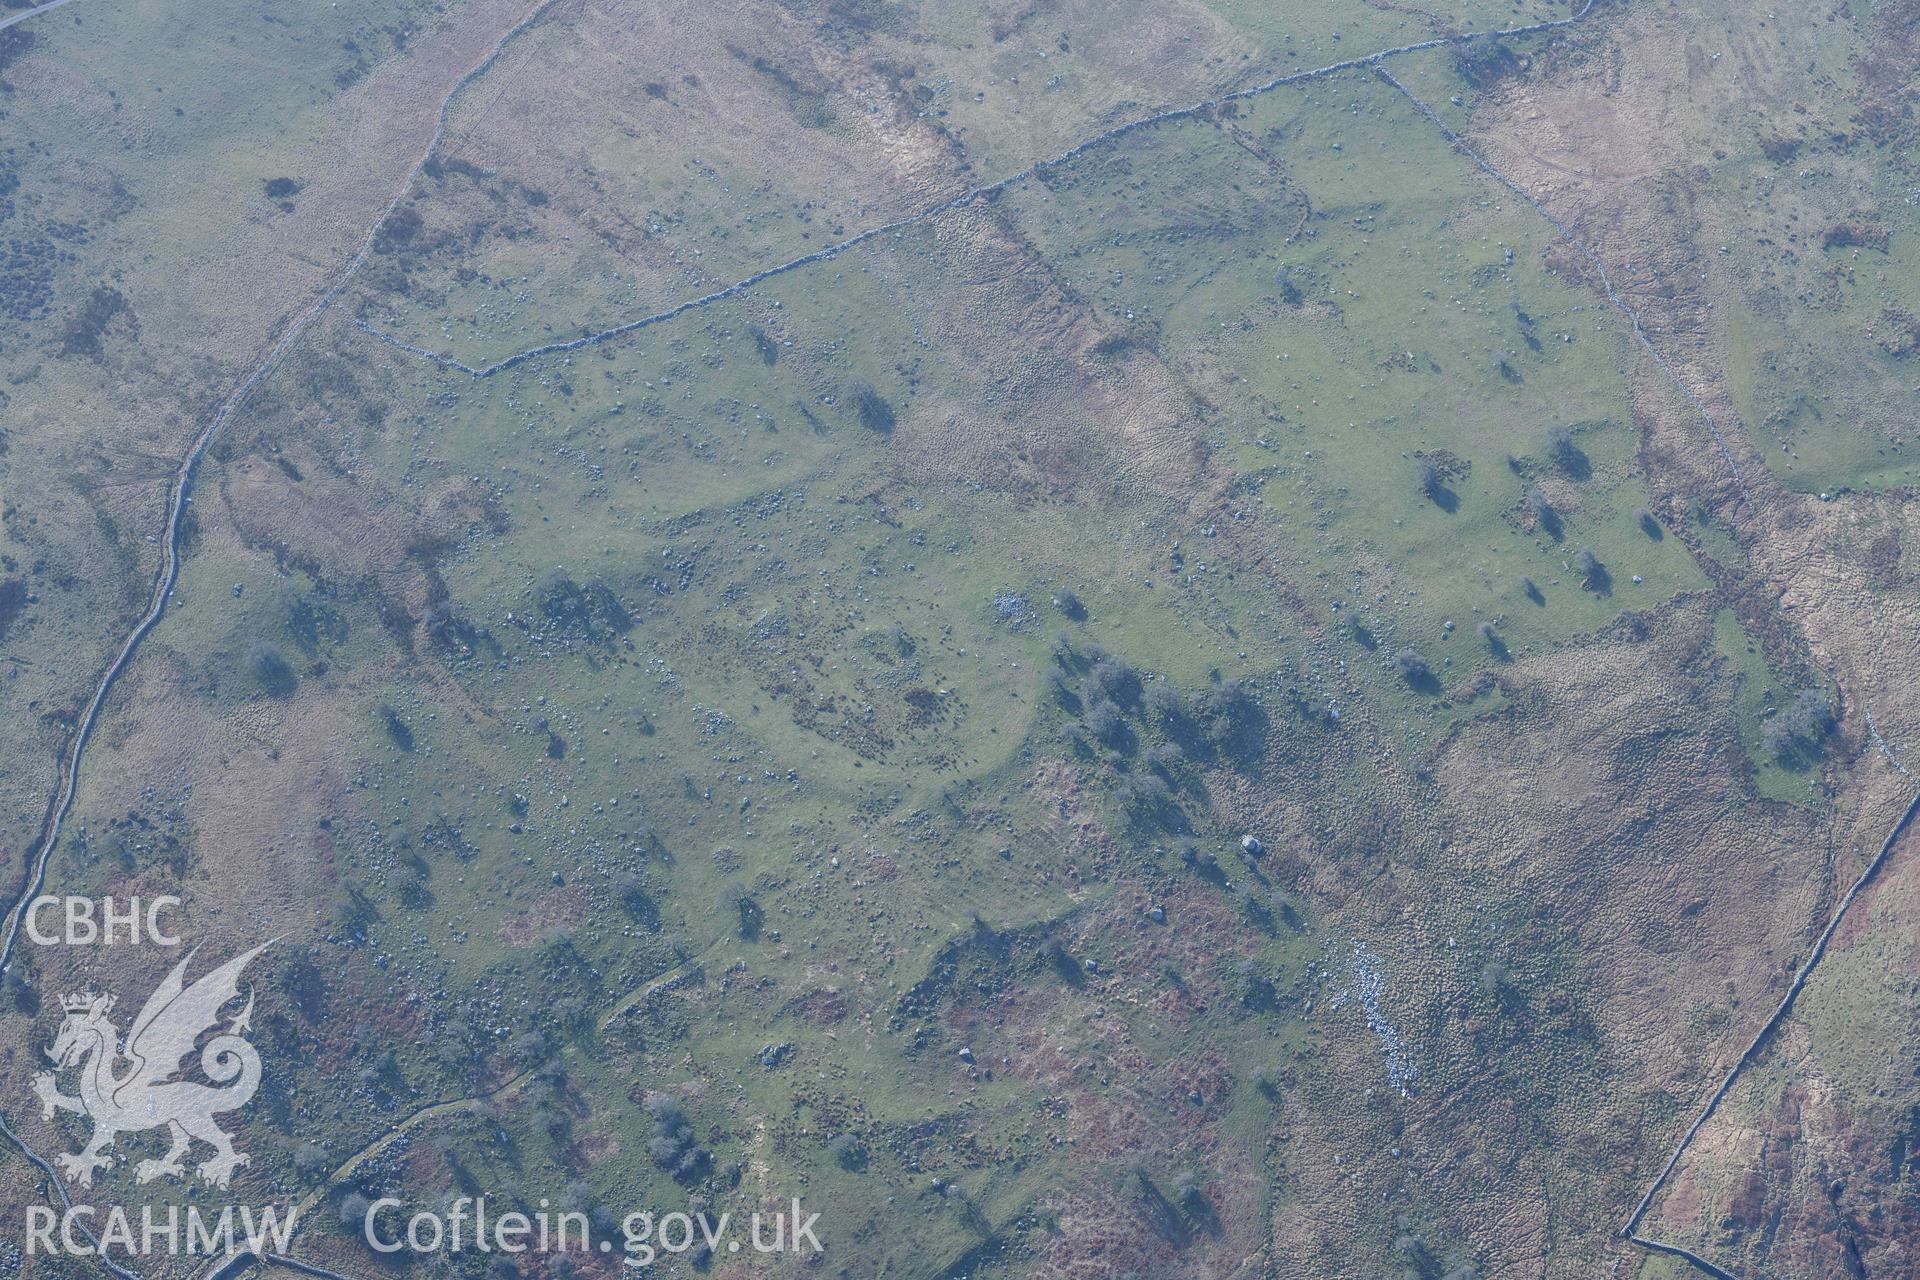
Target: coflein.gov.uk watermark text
464	1225
469	1225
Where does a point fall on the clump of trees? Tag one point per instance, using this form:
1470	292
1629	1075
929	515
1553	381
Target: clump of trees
568	603
1484	61
398	229
1797	733
310	1160
672	1145
1108	686
353	1212
1110	680
1165	705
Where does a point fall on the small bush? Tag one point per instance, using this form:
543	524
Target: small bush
83	332
397	229
1411	667
269	670
353	1211
397	728
559	597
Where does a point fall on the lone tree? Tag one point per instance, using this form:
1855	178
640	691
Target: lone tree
353	1211
1431	480
397	728
1233	718
750	916
1541	512
1593	574
874	412
1412	668
1565	453
1110	678
1164	702
269	670
1105	722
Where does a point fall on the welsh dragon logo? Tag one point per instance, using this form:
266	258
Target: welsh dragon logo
134	1086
